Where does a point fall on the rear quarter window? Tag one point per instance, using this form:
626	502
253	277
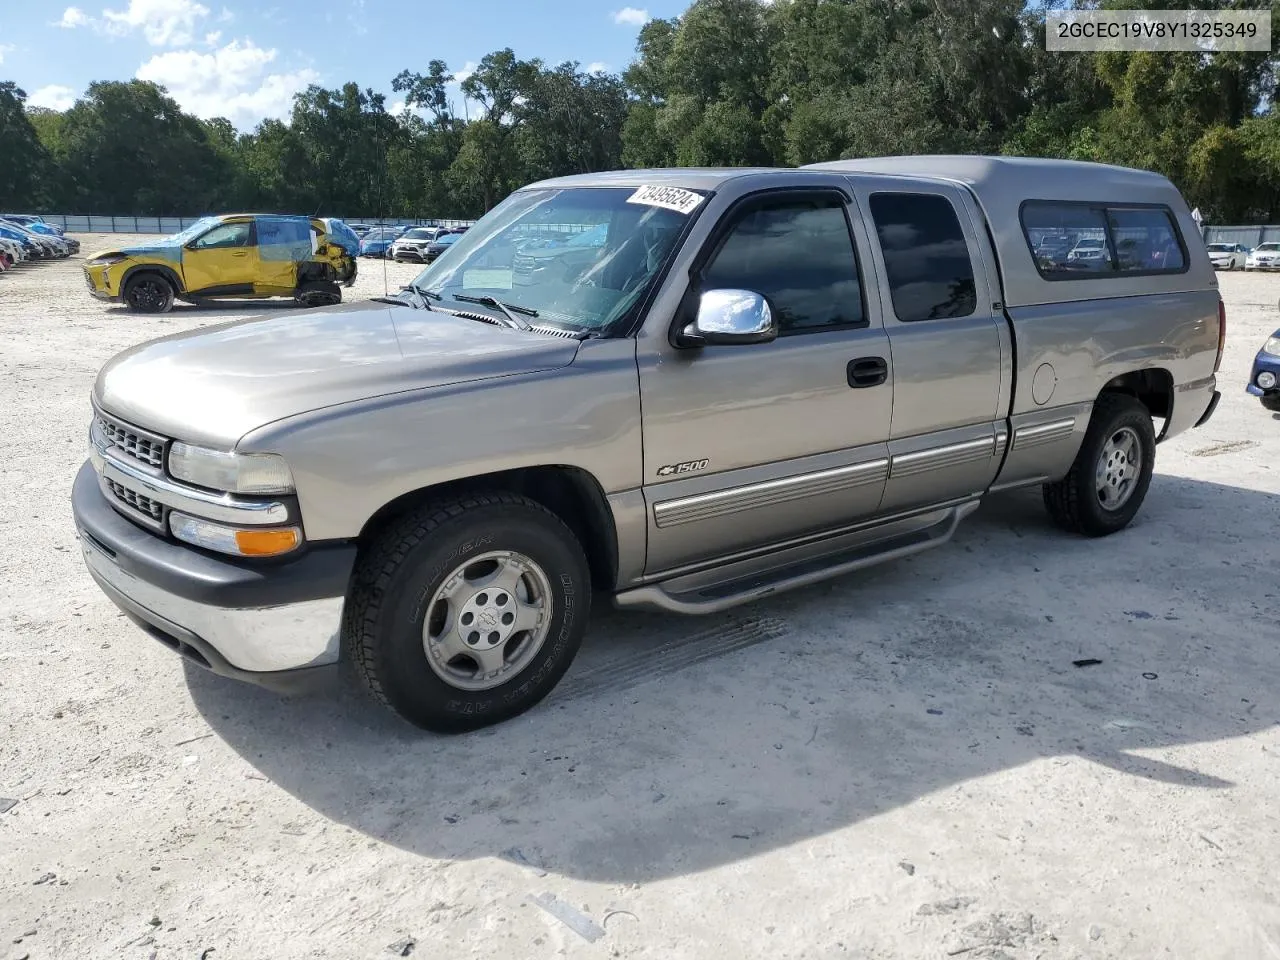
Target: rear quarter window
926	257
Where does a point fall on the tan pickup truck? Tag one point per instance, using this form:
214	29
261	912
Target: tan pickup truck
678	389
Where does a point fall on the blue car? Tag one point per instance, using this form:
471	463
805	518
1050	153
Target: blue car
378	240
28	220
1264	379
35	249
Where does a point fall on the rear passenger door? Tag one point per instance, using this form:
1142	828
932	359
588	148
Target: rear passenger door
952	352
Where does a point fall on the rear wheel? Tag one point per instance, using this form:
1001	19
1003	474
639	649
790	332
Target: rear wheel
1108	481
149	293
468	612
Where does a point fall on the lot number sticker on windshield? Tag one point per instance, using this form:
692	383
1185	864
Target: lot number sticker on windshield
670	198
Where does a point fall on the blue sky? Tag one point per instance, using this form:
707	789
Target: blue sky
244	60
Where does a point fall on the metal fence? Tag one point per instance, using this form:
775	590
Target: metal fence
1248	237
100	223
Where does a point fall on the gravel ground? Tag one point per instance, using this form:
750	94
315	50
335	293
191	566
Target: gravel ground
902	763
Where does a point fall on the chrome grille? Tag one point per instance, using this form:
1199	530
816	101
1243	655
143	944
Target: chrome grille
139	502
143	447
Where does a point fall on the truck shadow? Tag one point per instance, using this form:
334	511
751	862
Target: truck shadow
659	758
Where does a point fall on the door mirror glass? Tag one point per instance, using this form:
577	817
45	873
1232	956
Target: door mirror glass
730	317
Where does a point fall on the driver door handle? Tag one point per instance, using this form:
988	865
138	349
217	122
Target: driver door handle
867	372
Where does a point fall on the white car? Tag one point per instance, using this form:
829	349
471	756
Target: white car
1227	256
1087	250
1265	256
14	252
412	244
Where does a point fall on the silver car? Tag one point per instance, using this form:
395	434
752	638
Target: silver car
756	379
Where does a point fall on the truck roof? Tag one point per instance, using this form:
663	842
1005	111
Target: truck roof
692	178
1027	176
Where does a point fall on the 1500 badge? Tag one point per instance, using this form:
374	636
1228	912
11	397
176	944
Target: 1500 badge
689	466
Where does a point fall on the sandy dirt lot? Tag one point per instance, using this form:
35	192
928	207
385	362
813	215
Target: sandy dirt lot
902	763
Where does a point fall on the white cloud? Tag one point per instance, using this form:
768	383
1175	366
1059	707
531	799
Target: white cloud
54	96
6	48
632	16
232	81
597	67
467	70
212	37
164	23
73	17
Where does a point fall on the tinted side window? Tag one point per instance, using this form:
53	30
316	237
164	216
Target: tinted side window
1108	240
1067	239
227	235
925	256
1145	239
799	254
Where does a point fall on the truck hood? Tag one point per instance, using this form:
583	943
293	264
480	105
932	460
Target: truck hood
213	385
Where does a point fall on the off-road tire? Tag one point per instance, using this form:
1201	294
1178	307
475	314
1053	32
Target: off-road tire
149	293
1073	502
397	575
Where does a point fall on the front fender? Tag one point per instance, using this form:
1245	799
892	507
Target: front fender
351	460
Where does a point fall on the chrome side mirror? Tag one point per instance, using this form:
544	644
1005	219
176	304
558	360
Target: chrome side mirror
730	317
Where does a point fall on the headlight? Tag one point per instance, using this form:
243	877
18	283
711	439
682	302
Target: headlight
237	541
231	472
107	260
1266	380
1272	346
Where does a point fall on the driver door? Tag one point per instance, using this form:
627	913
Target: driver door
748	445
223	261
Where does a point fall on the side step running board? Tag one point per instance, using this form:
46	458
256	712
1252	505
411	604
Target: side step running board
680	595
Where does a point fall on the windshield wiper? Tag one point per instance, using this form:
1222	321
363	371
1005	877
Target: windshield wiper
508	309
423	297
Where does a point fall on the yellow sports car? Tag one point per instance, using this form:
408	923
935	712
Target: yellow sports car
234	255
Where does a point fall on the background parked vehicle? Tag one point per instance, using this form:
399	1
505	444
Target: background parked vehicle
1227	256
413	243
1089	253
439	246
1264	378
28	219
1265	256
235	255
47	230
377	241
13	251
40	246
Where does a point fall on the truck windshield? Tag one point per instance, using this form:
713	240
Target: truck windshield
523	252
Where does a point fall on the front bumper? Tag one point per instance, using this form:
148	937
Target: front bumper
275	625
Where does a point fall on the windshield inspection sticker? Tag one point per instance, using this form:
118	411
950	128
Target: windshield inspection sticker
670	198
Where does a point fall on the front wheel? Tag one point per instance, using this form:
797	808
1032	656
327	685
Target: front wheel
1108	481
149	293
468	612
318	293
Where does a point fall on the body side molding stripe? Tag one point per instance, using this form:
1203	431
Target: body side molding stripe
769	493
1043	433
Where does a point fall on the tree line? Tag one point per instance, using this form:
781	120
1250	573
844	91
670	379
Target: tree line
729	82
